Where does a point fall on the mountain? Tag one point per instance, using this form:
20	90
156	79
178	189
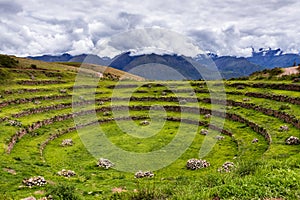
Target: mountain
154	66
87	58
231	66
49	58
92	59
177	67
269	58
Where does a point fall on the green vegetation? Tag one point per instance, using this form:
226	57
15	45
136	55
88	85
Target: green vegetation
42	92
7	61
63	192
5	76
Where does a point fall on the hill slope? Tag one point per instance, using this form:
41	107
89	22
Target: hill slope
35	65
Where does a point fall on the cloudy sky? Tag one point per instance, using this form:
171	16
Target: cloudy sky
225	27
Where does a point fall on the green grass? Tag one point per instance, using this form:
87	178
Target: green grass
262	170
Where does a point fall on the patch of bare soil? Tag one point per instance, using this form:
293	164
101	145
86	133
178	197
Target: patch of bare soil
290	71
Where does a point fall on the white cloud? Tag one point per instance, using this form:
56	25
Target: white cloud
78	47
228	27
142	40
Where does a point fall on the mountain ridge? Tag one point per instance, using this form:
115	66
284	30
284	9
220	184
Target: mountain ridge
229	66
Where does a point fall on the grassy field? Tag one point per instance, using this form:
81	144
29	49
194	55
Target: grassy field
33	93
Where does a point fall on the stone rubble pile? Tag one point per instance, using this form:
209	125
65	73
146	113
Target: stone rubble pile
144	123
255	140
14	123
292	140
182	102
29	198
66	173
219	137
101	103
284	128
141	174
63	91
106	113
105	163
67	142
226	167
49	197
35	181
207	116
204	132
37	102
163	93
240	87
195	164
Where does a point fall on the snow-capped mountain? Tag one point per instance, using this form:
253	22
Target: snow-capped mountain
268	58
229	66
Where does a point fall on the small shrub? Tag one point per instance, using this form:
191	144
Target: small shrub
245	168
142	193
63	192
212	180
33	66
284	107
276	71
